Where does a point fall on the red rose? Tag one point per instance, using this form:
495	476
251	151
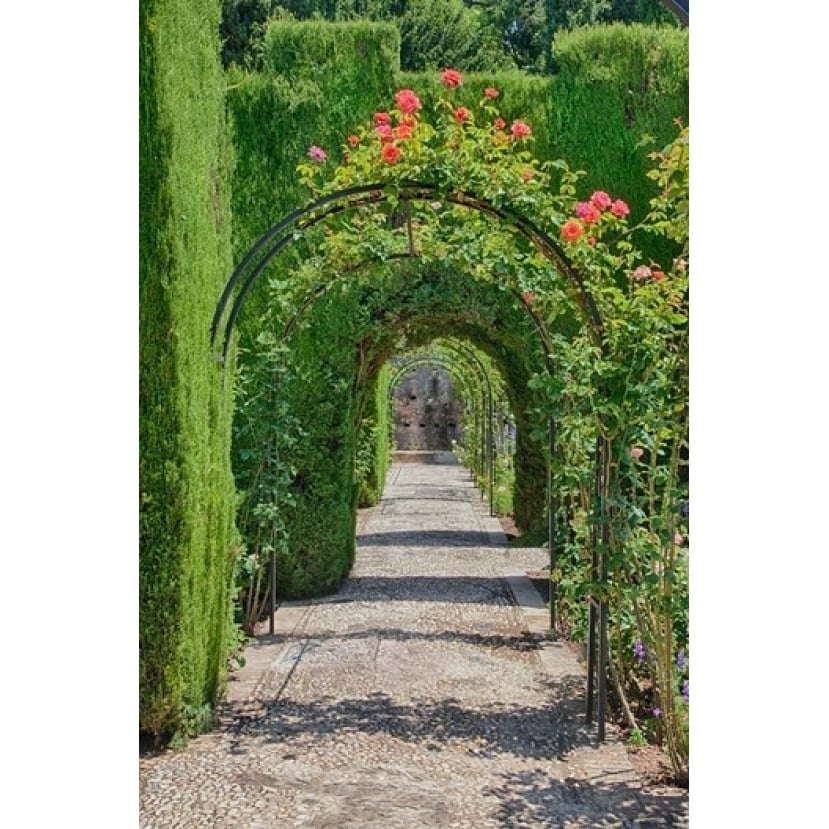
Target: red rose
491	92
385	132
390	153
571	231
451	78
462	114
499	123
382	118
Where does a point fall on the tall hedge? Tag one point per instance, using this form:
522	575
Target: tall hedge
616	84
187	536
318	78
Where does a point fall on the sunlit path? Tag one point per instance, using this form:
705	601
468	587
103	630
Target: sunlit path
422	694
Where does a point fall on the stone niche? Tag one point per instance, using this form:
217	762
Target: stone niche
428	415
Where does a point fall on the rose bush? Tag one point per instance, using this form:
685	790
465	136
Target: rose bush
619	391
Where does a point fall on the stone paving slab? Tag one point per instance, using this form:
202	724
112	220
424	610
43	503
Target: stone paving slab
425	693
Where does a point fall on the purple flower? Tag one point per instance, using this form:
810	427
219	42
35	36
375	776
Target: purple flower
680	660
639	650
657	712
317	153
684	690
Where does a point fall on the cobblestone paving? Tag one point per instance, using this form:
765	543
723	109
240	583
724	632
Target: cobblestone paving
418	696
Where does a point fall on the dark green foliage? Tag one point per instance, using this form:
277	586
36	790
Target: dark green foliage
374	441
187	537
242	29
319	80
436	34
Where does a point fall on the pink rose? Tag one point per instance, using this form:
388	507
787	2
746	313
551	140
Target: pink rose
491	92
619	209
636	452
600	200
642	272
587	212
317	154
520	129
407	101
451	78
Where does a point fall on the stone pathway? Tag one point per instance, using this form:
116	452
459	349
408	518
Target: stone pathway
424	694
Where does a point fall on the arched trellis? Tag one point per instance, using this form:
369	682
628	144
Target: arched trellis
287	230
283	233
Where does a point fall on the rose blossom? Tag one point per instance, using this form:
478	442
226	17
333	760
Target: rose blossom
403	131
658	276
619	209
520	129
382	118
354	140
491	92
385	132
407	101
642	272
571	231
317	153
462	114
587	212
636	452
601	200
499	123
390	153
451	78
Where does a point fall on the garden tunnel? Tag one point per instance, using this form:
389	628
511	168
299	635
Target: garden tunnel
283	234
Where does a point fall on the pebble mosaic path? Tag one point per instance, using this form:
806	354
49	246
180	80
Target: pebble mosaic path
423	694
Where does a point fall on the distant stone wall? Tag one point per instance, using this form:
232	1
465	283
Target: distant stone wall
428	415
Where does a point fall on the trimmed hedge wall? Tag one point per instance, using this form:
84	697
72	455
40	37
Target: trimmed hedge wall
187	536
617	83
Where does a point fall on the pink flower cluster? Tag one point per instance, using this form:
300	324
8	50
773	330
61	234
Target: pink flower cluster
590	213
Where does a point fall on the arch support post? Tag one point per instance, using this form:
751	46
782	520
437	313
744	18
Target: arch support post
551	525
597	644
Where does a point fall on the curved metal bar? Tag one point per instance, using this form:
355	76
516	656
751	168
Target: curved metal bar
304	219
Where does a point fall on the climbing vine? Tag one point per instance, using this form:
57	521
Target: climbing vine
617	327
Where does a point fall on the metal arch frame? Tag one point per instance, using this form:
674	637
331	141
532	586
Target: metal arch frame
282	234
286	231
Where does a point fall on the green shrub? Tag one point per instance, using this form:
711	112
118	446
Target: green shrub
187	537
